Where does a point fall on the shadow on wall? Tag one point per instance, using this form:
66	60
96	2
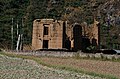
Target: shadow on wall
85	43
68	43
94	42
66	39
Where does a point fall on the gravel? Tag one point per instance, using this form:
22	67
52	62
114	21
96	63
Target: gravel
18	68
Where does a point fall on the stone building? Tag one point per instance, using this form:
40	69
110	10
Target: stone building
57	34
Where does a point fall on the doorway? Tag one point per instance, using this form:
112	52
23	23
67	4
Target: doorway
45	44
77	36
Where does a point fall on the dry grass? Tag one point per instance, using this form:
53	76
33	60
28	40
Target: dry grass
108	68
18	68
102	67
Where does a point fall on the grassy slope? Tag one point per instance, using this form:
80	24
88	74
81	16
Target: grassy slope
58	66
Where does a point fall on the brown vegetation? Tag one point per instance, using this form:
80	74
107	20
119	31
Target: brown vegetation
102	67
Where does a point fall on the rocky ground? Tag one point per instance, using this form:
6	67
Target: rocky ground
17	68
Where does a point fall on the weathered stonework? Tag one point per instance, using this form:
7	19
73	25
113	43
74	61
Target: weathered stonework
57	34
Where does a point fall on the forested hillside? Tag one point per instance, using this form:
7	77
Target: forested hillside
23	12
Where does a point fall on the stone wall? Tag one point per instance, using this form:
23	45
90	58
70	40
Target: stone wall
54	35
68	54
62	35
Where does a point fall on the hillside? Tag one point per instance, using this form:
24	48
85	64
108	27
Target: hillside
24	12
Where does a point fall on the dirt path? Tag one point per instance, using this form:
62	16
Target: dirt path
17	68
97	66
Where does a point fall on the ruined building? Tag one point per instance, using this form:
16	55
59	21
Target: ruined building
57	34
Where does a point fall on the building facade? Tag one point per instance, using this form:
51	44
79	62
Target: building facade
57	34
